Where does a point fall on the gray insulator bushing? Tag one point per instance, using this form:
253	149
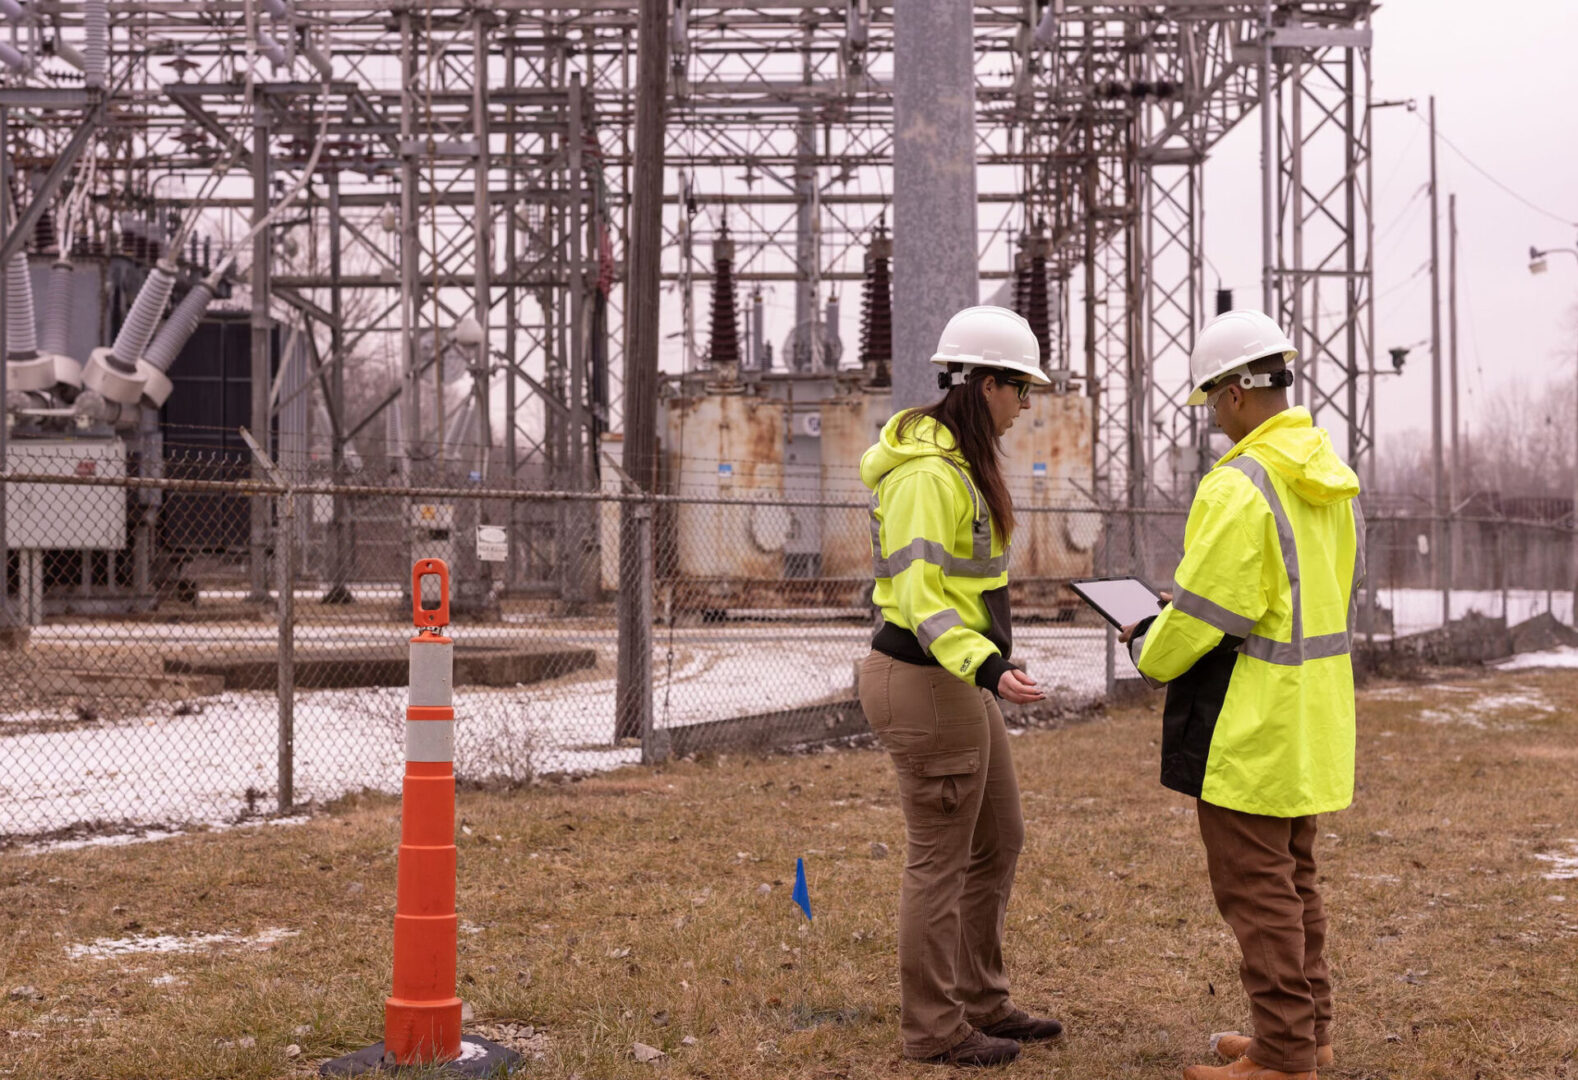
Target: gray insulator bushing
56	334
272	49
143	317
96	50
179	327
21	332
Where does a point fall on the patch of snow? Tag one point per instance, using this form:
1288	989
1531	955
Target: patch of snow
104	948
1525	699
150	835
1563	656
111	840
1563	867
1490	709
33	716
1417	610
1436	716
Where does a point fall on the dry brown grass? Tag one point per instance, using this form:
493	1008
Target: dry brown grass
1452	956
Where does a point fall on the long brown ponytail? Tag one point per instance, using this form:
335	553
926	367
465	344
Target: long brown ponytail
964	413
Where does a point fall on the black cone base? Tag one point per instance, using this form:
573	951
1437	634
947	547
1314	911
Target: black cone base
478	1057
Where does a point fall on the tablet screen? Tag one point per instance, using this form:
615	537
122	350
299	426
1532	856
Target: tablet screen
1122	601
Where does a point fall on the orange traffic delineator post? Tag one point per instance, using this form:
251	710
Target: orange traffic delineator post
422	1022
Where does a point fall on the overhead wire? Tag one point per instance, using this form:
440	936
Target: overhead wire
1471	163
290	197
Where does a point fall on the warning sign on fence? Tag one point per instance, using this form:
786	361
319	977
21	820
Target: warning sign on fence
492	544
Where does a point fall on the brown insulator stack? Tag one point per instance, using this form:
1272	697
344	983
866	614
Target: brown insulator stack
1021	281
724	348
44	233
1031	298
876	311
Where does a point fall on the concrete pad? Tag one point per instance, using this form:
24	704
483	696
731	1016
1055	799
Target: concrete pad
334	669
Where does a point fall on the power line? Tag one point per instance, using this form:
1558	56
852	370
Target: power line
1483	172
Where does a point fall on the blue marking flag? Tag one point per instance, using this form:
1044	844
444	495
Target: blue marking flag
802	895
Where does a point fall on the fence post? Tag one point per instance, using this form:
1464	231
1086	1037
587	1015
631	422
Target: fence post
1501	568
285	563
654	744
285	557
1112	635
1369	611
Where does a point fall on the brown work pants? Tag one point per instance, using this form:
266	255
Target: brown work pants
964	831
1263	878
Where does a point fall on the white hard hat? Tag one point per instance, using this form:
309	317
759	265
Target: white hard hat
991	337
1230	341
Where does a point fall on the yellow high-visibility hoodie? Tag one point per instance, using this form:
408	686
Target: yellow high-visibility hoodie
1255	645
941	565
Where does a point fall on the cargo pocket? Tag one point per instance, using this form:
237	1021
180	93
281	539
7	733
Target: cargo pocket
942	779
954	702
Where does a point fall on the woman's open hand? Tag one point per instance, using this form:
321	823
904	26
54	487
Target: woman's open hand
1018	687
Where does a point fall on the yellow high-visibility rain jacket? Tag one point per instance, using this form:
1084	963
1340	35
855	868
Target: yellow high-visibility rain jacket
940	563
1255	645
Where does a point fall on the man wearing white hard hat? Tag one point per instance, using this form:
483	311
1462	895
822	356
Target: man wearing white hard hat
941	521
1254	648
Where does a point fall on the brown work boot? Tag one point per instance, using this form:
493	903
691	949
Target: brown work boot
977	1050
1230	1046
1242	1069
1023	1027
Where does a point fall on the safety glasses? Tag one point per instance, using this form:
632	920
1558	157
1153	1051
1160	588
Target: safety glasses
1021	387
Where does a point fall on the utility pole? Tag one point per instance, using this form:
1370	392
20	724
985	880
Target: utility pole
1268	171
1443	579
935	272
1454	481
634	689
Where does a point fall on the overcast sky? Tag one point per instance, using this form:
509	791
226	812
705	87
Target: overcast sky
1507	95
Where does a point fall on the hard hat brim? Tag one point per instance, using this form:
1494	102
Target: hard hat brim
1198	395
1034	374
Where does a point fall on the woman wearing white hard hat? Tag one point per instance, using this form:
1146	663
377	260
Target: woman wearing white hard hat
941	521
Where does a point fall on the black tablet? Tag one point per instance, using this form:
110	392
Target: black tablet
1122	601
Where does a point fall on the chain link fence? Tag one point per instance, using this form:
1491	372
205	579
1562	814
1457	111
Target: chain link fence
210	641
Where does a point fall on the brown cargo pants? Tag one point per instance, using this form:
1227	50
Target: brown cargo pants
964	832
1263	878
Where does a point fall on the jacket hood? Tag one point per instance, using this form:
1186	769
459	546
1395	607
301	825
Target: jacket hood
925	438
1290	445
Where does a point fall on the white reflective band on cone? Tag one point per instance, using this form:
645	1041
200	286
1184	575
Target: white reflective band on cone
432	674
430	740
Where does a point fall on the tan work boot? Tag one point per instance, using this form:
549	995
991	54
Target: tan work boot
1242	1069
1022	1027
977	1050
1230	1046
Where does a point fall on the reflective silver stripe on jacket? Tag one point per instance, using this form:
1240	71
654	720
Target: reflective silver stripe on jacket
981	564
935	626
1360	569
1299	649
981	530
931	551
1211	613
